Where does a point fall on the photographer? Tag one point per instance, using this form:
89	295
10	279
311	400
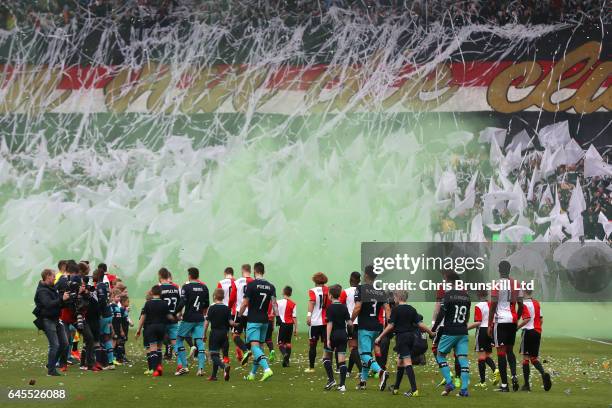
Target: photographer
69	282
48	305
74	311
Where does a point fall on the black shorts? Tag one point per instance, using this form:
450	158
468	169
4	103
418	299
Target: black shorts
483	341
403	344
317	332
530	342
504	334
242	322
270	330
352	331
285	332
338	340
216	340
154	333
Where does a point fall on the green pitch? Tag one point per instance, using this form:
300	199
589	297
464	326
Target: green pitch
581	372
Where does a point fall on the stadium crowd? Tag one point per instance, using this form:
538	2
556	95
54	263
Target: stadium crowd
56	13
555	200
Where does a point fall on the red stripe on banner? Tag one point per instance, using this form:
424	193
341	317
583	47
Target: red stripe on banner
470	74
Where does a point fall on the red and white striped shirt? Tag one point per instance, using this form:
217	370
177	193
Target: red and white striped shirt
507	299
481	314
240	289
319	296
229	293
287	311
348	298
532	311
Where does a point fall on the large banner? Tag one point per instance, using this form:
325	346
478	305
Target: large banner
564	73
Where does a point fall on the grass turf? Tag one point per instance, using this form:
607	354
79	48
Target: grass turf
581	372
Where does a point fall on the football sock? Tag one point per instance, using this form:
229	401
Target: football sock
156	359
411	377
511	361
99	354
75	346
457	367
538	366
526	371
110	356
159	357
240	343
354	359
201	353
328	368
254	367
260	357
312	354
288	350
503	367
217	363
342	373
489	361
384	352
465	372
150	362
399	377
119	351
482	366
226	348
444	369
270	345
181	355
379	360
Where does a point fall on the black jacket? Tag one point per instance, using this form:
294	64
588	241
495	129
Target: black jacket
48	301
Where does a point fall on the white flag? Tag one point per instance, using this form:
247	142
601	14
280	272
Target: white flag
594	164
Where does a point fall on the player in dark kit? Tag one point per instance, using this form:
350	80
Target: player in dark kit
338	319
455	313
171	294
406	323
368	305
219	318
193	305
155	316
258	295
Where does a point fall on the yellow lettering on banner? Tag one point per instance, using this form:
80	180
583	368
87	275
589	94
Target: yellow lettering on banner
409	94
121	91
585	103
349	85
247	82
529	73
201	96
35	90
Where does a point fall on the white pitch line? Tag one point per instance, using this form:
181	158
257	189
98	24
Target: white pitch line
593	340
